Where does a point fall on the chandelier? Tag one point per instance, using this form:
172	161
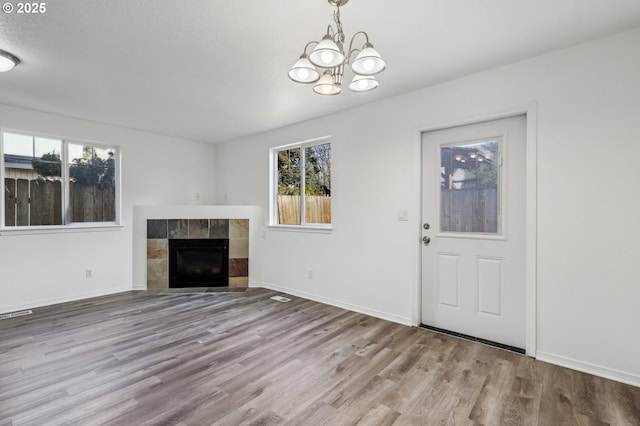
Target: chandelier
325	65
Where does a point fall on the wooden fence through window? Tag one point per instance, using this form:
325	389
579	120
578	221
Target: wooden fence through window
318	209
469	210
39	202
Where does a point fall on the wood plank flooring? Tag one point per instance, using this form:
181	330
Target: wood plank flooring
242	359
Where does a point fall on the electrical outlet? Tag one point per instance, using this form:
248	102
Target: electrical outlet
89	273
309	274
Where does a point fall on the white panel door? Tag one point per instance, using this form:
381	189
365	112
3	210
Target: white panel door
473	252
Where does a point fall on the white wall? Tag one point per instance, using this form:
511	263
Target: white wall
588	131
42	269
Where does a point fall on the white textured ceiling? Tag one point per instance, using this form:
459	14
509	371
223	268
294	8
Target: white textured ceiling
215	70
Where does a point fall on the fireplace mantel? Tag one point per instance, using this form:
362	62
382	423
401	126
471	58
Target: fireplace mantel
154	225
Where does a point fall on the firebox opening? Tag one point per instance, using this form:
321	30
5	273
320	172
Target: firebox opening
198	263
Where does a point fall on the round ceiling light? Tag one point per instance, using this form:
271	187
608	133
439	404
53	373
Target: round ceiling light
7	61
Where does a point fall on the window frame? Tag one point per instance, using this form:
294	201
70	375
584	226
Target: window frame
64	159
273	188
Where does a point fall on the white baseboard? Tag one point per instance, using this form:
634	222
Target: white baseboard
586	367
337	303
64	299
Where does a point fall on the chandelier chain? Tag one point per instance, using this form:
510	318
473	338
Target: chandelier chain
339	36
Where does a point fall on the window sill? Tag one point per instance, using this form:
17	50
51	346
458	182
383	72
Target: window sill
327	229
35	230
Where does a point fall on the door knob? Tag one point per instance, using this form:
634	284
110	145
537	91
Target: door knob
426	240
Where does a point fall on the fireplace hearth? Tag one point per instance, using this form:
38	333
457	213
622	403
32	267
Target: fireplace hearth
198	263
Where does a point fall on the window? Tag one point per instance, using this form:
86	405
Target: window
54	182
301	184
469	187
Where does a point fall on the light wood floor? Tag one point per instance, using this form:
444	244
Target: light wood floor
241	358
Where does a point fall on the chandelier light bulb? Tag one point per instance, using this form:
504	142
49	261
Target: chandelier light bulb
363	83
368	61
327	53
327	57
303	71
326	85
368	64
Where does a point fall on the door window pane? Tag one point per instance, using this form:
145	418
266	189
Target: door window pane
469	187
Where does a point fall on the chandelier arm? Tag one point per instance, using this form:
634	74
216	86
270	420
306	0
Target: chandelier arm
351	49
309	44
352	52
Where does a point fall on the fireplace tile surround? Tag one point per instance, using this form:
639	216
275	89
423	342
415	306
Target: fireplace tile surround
159	231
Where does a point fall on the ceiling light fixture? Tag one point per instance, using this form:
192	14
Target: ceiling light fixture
7	61
325	64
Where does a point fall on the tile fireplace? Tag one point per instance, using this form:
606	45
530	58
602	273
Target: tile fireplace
232	234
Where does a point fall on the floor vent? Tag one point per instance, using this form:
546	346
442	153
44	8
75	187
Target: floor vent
15	314
281	299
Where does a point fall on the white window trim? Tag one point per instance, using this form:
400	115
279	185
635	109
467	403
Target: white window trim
72	226
309	228
273	193
59	229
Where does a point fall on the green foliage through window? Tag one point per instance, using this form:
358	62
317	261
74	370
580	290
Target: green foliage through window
289	171
93	170
49	165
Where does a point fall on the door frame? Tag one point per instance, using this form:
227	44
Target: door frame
531	211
